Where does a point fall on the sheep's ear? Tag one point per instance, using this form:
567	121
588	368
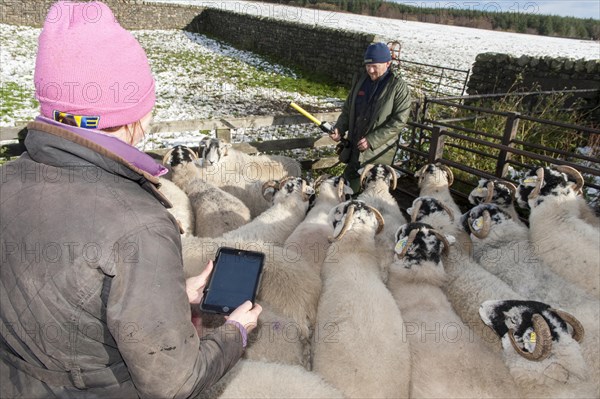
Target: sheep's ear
451	239
409	211
348	190
360	171
308	190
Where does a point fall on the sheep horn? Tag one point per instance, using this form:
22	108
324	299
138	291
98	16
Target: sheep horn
271	183
192	153
490	192
448	211
305	197
346	226
320	180
574	173
379	217
512	188
485	229
578	330
366	170
444	240
283	181
394	177
419	174
538	183
340	189
449	172
166	157
543	343
411	237
415	210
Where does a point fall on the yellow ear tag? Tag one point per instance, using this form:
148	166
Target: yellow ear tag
400	245
533	337
477	224
530	180
479	190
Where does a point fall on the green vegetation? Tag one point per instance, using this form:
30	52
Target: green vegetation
523	20
14	98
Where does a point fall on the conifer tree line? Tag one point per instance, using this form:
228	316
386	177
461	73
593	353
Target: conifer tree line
522	21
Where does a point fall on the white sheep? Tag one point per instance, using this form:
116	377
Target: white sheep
448	360
540	349
502	247
358	345
494	191
257	379
241	174
565	242
469	285
290	199
377	182
435	180
182	208
215	211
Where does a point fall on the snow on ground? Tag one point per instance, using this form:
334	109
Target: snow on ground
449	46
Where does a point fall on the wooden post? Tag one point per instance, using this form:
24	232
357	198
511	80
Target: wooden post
510	132
436	147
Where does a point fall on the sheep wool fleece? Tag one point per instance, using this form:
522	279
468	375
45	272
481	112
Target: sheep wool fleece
92	291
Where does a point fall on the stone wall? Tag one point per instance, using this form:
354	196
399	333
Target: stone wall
497	73
330	52
131	14
333	53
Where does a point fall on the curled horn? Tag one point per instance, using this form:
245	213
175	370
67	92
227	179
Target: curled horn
305	197
346	226
271	183
578	330
574	173
394	177
512	188
283	181
380	221
340	189
449	172
538	183
166	157
485	230
411	237
448	211
366	170
192	153
415	210
444	240
543	343
490	192
321	179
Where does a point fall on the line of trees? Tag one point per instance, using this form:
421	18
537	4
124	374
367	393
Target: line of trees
525	20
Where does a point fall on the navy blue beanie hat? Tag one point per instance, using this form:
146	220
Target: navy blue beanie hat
377	53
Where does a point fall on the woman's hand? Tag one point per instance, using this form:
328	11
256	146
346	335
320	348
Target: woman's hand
194	286
246	315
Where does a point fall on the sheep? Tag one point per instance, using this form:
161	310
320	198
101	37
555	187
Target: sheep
469	286
435	181
542	354
498	192
309	242
377	181
257	379
515	262
438	339
290	198
216	211
358	345
241	174
181	207
564	242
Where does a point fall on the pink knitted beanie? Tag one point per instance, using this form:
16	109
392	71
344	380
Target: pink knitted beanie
88	67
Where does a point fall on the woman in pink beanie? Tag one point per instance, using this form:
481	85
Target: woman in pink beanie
93	298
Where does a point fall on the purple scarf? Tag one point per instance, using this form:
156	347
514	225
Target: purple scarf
118	147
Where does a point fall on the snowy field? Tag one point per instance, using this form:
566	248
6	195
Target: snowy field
198	77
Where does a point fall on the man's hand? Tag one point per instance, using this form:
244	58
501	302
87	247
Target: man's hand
362	145
335	135
194	286
246	315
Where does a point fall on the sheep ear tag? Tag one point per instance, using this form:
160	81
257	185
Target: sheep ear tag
530	180
400	245
477	224
532	337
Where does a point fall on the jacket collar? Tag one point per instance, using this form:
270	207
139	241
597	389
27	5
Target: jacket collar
53	145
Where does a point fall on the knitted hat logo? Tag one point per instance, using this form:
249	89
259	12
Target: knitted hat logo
87	64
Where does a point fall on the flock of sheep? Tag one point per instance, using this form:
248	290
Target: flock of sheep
363	300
